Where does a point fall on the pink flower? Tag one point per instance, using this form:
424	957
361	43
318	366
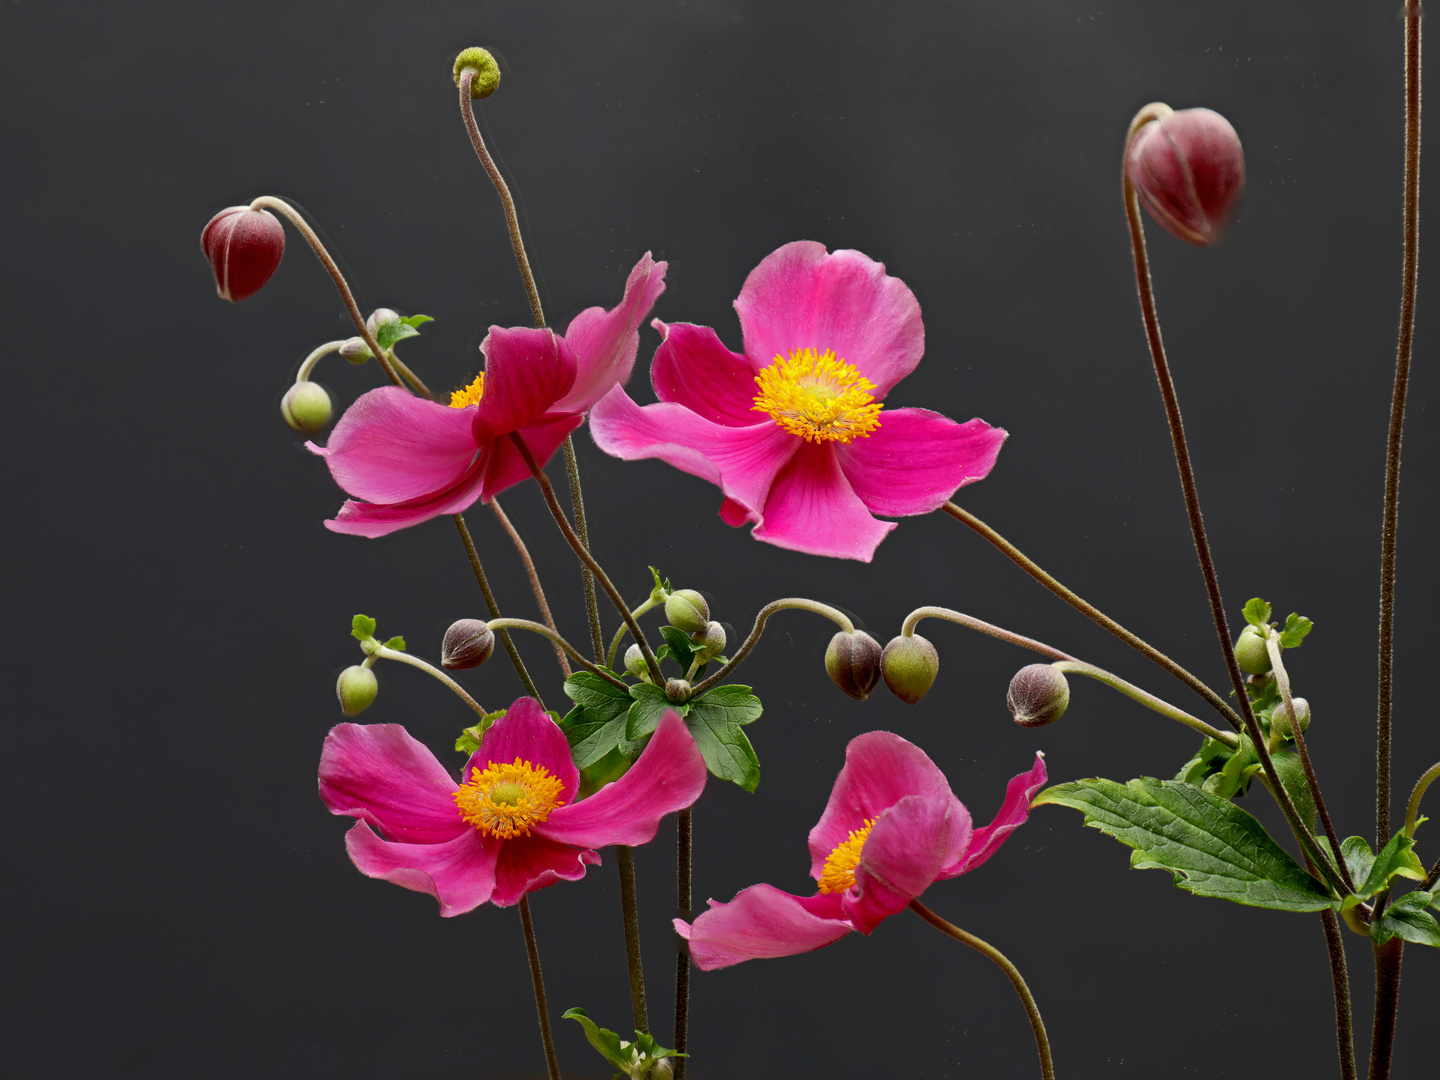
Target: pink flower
825	336
892	827
510	827
410	459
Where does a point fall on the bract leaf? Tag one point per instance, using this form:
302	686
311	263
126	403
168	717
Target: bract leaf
397	643
596	725
648	705
362	627
1407	918
1296	627
1257	612
715	720
1395	860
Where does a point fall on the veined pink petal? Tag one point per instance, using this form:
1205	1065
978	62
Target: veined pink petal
504	467
692	368
903	855
460	873
378	773
811	507
605	342
526	372
391	446
379	519
763	921
527	733
799	297
668	776
532	862
985	841
916	459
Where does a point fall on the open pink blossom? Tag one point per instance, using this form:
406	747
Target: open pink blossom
892	827
408	460
793	431
510	826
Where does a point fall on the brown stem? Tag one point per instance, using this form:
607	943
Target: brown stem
1387	1006
683	903
907	628
630	912
565	646
1340	978
582	530
537	980
790	603
1432	877
494	608
535	586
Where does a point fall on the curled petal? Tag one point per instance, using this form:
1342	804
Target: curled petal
693	369
527	733
379	519
903	855
916	459
985	841
763	921
460	873
811	507
504	467
605	342
526	372
378	773
532	862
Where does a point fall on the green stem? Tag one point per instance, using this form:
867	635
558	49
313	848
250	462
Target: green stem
1150	701
559	642
683	903
791	603
1387	1005
537	980
1340	979
535	587
907	629
494	608
635	613
587	579
414	661
308	364
630	912
1412	811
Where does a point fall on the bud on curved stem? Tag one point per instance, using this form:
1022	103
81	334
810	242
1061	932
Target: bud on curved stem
356	688
790	603
380	652
853	663
1038	695
1187	169
909	665
243	246
950	615
1150	701
686	609
468	643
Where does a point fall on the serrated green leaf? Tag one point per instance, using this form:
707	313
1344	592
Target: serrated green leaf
1296	627
733	704
1395	860
1212	847
1407	918
1257	612
725	748
362	627
590	690
596	725
648	706
398	330
397	643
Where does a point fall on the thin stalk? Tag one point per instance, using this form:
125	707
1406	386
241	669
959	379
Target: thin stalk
683	903
1432	877
494	608
1150	701
635	613
1387	1005
629	910
1037	1025
414	661
790	603
1340	978
1412	810
530	572
537	980
1093	613
912	620
308	364
582	530
559	642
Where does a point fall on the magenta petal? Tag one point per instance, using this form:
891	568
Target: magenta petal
693	369
985	841
532	862
504	467
460	873
605	342
380	519
917	459
668	776
527	733
378	773
801	298
811	507
903	856
763	921
526	372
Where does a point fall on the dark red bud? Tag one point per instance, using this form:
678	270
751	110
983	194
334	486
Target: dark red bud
244	247
1188	170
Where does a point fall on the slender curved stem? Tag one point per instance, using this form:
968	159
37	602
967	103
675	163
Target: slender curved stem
1412	811
683	902
630	912
1387	1005
1150	701
1340	979
796	603
537	980
912	620
635	613
414	661
494	608
559	642
582	530
308	364
1037	1025
535	586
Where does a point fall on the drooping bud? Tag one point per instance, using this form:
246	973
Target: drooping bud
909	665
1250	651
468	643
852	660
710	642
243	247
1281	718
1038	695
355	350
677	691
1188	169
306	407
378	318
487	71
635	662
356	688
686	609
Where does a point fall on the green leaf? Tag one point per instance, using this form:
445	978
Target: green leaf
1257	613
362	627
662	588
1296	627
1297	785
633	1059
596	726
1395	860
715	719
469	740
399	329
1407	918
397	643
732	704
679	645
648	706
1211	846
590	690
1359	859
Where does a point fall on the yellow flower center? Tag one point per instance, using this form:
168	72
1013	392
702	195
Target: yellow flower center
471	395
506	800
818	398
839	872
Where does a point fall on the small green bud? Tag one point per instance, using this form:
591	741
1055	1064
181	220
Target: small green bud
677	691
487	71
852	660
468	643
1250	651
355	350
710	642
686	609
635	662
306	407
356	688
1281	719
909	665
378	318
1038	695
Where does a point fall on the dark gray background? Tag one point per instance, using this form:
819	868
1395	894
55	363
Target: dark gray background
180	903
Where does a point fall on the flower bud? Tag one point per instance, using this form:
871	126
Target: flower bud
487	71
635	662
852	660
378	318
909	665
709	642
1250	651
356	688
1188	169
468	643
1281	718
243	247
355	350
1038	695
677	691
306	407
686	609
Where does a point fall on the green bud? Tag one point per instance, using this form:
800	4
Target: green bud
686	609
635	662
677	691
1281	719
852	660
356	688
306	407
487	71
1038	695
355	350
378	318
1250	651
710	642
468	643
909	665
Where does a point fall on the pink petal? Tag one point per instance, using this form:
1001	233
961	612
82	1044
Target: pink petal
811	507
985	841
903	856
504	467
378	773
917	459
527	733
532	862
460	873
526	372
668	776
605	342
693	369
801	298
380	519
762	921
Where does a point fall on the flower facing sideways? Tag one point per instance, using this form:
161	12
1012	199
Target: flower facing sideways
511	825
892	827
794	430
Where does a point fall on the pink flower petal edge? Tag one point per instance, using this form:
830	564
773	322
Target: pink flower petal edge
605	342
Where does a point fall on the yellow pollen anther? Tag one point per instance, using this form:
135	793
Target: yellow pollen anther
506	800
839	872
818	397
471	395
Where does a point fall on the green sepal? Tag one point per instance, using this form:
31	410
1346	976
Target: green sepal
715	719
635	1059
469	740
1257	613
1210	758
596	725
1372	873
397	643
1407	918
1212	847
648	705
1296	627
662	588
387	334
362	627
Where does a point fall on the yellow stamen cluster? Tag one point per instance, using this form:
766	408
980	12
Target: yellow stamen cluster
818	397
506	800
471	395
839	872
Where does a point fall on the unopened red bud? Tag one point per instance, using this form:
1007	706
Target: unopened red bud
853	663
468	643
1188	170
1039	695
909	665
243	247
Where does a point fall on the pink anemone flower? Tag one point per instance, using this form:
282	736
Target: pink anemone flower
409	459
892	827
826	335
511	825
